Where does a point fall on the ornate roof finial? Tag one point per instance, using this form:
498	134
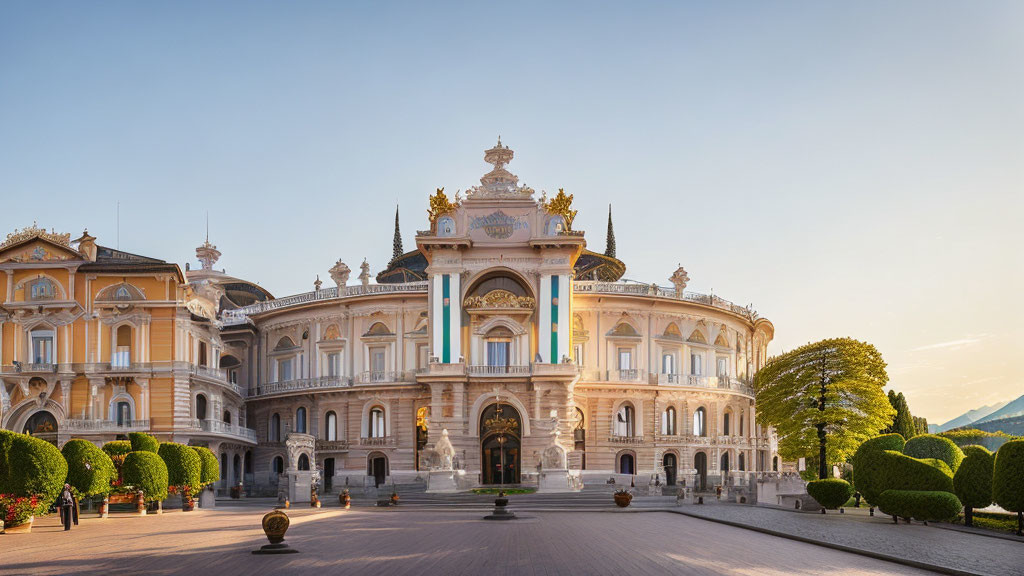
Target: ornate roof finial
609	246
397	243
207	254
364	274
679	279
317	283
339	273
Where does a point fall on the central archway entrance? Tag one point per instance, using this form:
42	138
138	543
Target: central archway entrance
500	429
668	462
42	425
700	463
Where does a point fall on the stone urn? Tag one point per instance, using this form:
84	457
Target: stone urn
345	499
394	498
188	503
105	507
140	503
23	528
622	499
275	524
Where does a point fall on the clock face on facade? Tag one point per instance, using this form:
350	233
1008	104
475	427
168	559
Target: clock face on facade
445	226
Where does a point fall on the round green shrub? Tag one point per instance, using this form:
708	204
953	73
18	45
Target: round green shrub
926	506
938	464
972	482
210	471
31	467
866	463
90	470
142	442
1008	476
932	446
184	467
147	472
901	472
117	450
831	493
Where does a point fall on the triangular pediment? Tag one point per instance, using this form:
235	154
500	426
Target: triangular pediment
37	249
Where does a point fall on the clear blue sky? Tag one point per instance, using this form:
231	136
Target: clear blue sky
850	169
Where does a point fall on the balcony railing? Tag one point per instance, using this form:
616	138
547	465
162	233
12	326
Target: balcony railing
216	375
123	427
485	370
332	293
379	376
635	440
302	384
640	289
382	441
220	427
30	368
628	375
331	445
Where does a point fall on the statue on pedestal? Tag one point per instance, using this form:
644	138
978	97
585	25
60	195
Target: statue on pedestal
445	451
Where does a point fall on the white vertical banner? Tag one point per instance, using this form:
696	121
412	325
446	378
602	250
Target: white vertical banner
544	320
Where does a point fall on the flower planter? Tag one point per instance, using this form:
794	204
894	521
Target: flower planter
188	504
394	499
236	492
20	528
345	500
622	499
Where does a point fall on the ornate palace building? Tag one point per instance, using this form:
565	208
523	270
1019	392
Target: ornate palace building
500	350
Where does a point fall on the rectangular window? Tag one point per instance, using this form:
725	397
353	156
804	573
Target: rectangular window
577	354
668	364
284	370
625	358
695	364
334	364
42	347
498	352
723	367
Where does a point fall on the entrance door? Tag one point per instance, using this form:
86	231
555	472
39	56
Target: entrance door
626	464
669	463
700	462
379	470
500	445
42	425
328	474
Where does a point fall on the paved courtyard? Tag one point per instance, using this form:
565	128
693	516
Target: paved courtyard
414	542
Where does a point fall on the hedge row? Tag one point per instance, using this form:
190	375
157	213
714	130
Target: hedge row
90	470
831	493
31	467
924	505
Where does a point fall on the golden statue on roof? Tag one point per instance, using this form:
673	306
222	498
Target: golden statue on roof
440	205
561	205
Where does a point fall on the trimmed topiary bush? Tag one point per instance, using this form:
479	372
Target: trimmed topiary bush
866	464
31	467
972	482
142	442
926	506
1008	480
831	493
117	450
90	470
901	472
210	471
146	471
184	467
932	446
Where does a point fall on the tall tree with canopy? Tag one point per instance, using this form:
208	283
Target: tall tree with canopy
824	398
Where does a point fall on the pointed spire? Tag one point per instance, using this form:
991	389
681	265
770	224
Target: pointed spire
397	244
609	246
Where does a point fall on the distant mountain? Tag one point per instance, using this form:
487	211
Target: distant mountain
971	416
1011	410
1013	426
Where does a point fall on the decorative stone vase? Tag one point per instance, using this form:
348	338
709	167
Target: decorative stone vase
622	499
188	504
236	492
275	524
394	498
345	499
20	528
140	503
105	507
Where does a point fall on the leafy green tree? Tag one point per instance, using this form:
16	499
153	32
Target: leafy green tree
903	424
1008	480
824	398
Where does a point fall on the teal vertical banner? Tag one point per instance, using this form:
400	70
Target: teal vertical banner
446	315
554	319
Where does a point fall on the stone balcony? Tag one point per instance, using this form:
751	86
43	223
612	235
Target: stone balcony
384	377
332	445
301	385
217	376
385	441
224	429
105	426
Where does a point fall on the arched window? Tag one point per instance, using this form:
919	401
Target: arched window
741	425
303	462
377	428
124	413
223	466
201	407
775	463
236	468
300	420
41	289
741	462
700	425
668	421
331	426
625	421
227	417
275	428
121	356
668	364
725	462
202	353
278	465
725	423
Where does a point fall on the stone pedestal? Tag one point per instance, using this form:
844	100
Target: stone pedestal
207	499
442	481
299	483
554	481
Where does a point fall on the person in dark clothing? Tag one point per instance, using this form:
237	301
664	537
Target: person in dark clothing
67	507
